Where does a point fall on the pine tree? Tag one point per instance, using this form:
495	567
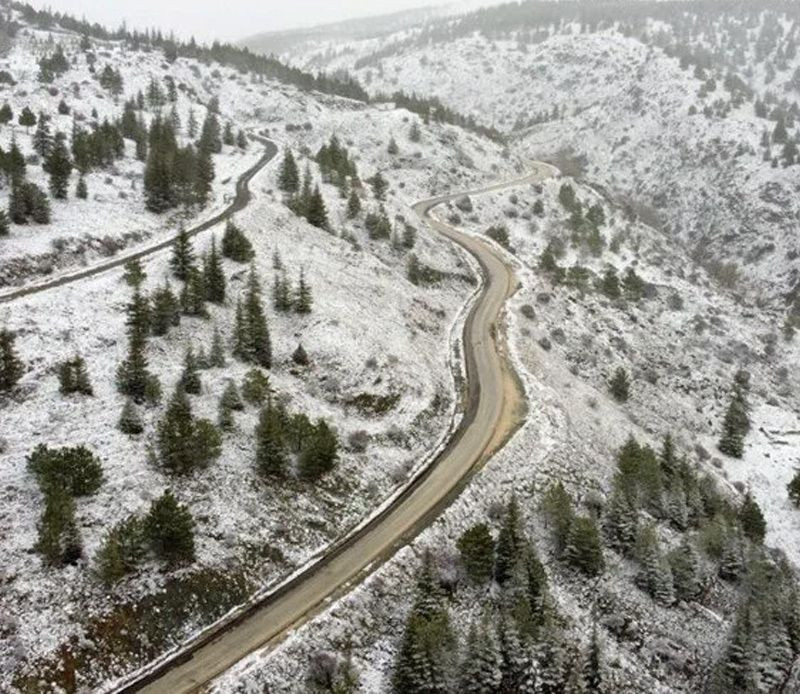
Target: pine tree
299	356
185	443
736	423
210	137
216	355
121	552
271	458
583	548
303	300
752	520
512	656
393	149
619	385
415	134
5	224
235	245
320	453
169	529
655	575
256	388
793	487
59	540
214	275
480	671
379	186
182	260
229	403
593	663
190	378
476	547
165	312
281	292
74	378
557	508
130	422
252	340
59	166
289	178
42	138
193	294
316	212
192	124
134	275
509	542
11	368
731	561
609	285
353	205
621	522
685	565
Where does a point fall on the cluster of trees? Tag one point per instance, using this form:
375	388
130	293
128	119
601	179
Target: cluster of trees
584	226
240	59
53	65
63	474
176	175
336	166
515	644
304	200
73	377
285	298
166	532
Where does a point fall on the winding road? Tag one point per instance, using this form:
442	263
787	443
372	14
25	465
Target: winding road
495	408
240	201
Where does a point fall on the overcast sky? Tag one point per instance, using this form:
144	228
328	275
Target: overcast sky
225	19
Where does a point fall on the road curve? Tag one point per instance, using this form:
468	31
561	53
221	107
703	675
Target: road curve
495	408
240	201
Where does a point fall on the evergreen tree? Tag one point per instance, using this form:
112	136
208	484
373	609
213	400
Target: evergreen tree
593	663
619	385
27	119
736	423
130	422
583	548
655	575
121	552
271	457
256	388
281	292
184	442
303	300
752	520
621	521
793	487
289	178
685	565
11	368
379	186
316	212
393	149
235	245
320	453
480	671
731	562
193	294
609	284
134	275
74	377
476	547
59	166
252	340
5	225
414	134
42	137
229	403
558	512
299	356
512	656
165	312
214	275
75	469
509	542
353	205
169	529
190	378
182	260
216	355
59	539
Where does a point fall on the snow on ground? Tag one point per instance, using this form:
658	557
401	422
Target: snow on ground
358	284
565	355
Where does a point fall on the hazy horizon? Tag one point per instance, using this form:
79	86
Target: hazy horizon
240	18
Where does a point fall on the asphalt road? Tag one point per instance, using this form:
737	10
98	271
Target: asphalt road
240	201
495	409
